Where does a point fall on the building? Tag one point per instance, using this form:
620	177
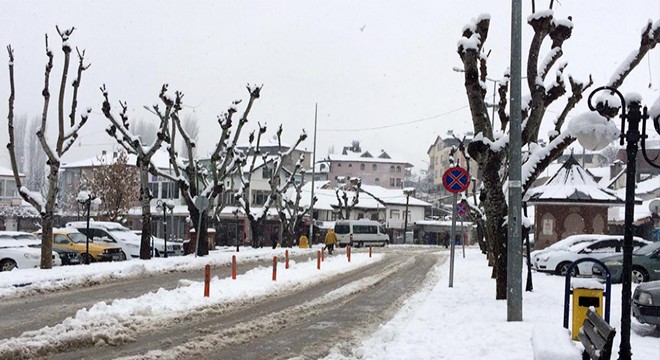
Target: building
440	159
571	202
381	170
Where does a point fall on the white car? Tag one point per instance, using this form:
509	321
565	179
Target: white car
110	233
563	244
174	248
558	261
21	255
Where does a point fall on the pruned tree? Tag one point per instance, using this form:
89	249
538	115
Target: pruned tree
490	146
115	183
345	206
120	131
66	136
194	179
276	165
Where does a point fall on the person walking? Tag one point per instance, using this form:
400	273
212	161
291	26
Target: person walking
303	242
330	240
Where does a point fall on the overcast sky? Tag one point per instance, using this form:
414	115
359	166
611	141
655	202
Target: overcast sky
381	72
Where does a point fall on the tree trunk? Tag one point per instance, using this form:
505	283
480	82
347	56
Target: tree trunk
145	199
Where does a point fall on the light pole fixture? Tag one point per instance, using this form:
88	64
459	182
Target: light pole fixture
165	205
408	192
86	198
632	113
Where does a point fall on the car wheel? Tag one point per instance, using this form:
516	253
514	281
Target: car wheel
639	275
157	254
563	268
7	265
85	258
360	244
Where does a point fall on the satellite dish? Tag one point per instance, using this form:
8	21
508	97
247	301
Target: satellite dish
654	206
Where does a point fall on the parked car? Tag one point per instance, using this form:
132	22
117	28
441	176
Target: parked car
67	257
646	303
558	261
174	247
645	265
18	254
72	239
563	244
110	233
360	233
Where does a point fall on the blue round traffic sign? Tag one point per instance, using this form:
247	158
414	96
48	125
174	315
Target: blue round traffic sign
461	209
456	179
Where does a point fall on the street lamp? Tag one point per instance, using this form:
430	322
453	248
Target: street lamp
86	198
408	192
164	204
631	136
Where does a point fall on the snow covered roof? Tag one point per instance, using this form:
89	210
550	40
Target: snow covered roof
161	159
327	199
8	172
366	157
572	184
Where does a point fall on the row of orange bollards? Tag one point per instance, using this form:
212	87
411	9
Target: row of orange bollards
320	257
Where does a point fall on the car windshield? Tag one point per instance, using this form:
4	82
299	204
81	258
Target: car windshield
25	237
78	238
648	249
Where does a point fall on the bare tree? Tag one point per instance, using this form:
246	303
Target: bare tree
120	131
345	207
194	179
191	127
115	183
490	146
66	136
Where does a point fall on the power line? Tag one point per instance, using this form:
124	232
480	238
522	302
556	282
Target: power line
399	124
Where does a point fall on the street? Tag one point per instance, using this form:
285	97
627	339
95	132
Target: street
305	322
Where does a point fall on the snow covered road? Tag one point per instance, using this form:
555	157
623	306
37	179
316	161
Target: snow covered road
259	318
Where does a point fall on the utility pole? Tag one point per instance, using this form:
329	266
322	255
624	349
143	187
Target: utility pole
514	241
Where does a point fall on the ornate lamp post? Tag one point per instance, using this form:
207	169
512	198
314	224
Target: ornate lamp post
408	192
632	113
164	204
86	198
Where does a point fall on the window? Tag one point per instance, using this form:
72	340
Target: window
229	198
604	246
363	167
398	169
339	165
350	165
392	168
374	167
61	239
377	181
153	188
395	214
398	182
266	173
391	181
170	190
333	216
259	197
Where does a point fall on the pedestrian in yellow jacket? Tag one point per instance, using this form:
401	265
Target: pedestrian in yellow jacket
330	240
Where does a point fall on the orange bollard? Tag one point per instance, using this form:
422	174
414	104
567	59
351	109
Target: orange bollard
274	268
318	260
207	280
233	267
369	251
348	253
286	255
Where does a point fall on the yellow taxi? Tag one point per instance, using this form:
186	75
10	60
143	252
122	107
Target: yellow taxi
68	238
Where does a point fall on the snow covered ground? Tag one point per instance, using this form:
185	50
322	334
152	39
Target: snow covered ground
438	322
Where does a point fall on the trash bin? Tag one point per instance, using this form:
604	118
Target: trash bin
586	293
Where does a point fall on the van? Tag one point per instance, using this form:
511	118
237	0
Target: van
360	233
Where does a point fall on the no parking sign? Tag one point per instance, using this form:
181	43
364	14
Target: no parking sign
456	179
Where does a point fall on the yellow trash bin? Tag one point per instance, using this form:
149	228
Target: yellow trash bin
586	293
